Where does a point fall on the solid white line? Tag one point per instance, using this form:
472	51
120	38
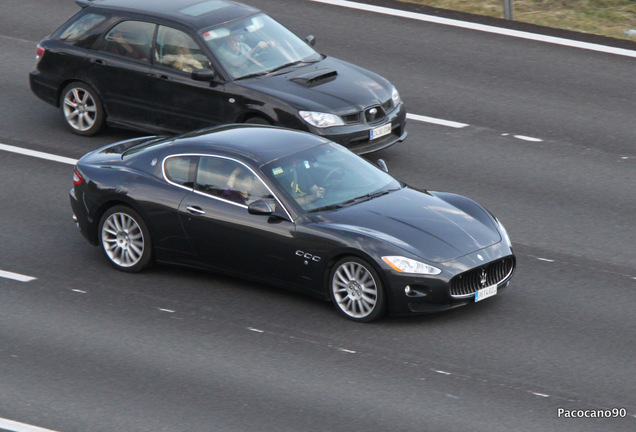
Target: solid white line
480	27
14	426
436	121
16	276
37	154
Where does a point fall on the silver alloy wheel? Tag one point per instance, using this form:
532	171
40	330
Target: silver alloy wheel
80	109
354	290
123	240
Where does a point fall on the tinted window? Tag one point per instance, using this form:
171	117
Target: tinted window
80	27
177	50
256	45
131	39
342	175
229	180
181	170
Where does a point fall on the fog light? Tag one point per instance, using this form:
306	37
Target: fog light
418	291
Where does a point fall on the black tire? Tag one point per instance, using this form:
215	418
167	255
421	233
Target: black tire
82	109
125	239
258	121
356	290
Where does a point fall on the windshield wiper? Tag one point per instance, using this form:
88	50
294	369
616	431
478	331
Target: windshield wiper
355	200
286	65
252	75
368	196
295	63
327	207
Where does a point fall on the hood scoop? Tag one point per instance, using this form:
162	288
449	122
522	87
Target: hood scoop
315	77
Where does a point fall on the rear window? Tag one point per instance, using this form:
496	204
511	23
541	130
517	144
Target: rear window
78	28
181	169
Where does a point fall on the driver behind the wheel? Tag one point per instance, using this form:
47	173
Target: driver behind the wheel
234	52
303	188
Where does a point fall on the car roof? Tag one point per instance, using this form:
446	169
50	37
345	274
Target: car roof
260	144
198	13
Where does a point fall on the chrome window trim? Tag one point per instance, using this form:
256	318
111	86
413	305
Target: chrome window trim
192	189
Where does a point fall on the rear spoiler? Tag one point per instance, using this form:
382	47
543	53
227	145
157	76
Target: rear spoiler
84	3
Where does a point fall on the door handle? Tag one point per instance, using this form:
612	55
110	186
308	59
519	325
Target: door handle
195	210
98	61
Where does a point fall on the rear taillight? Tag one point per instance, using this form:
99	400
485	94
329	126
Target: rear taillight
77	177
39	52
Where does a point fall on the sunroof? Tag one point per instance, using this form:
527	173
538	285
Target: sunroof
204	7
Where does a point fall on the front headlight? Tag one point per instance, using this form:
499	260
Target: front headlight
320	119
408	265
395	96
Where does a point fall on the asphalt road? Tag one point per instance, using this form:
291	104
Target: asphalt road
549	146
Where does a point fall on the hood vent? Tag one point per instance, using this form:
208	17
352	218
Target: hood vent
315	77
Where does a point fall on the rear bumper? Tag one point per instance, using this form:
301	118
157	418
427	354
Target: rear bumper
81	219
43	89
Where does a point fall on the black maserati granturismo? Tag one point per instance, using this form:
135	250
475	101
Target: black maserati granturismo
293	209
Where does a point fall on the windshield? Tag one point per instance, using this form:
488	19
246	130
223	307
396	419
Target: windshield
328	177
256	45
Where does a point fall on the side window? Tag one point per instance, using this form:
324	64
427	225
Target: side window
229	180
131	39
81	26
181	170
177	50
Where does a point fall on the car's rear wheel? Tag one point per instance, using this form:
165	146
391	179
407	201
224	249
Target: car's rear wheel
125	239
82	109
356	290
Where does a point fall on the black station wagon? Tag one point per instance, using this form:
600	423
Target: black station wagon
178	65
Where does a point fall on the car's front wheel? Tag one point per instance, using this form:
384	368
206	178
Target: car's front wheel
258	121
125	239
356	290
82	109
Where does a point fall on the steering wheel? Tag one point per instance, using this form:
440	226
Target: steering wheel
334	177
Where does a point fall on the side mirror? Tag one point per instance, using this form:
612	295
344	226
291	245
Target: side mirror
203	75
311	40
382	165
260	207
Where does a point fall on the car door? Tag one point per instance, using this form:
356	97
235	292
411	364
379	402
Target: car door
120	71
182	103
225	235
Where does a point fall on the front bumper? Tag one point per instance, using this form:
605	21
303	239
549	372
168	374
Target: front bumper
356	137
414	294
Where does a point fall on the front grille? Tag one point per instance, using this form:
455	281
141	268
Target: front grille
469	282
374	114
388	105
351	118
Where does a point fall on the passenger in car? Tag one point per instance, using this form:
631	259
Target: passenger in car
239	186
183	59
119	44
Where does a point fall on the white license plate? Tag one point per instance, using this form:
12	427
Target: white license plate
484	293
380	131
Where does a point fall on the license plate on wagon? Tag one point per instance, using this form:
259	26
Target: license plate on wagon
484	293
380	131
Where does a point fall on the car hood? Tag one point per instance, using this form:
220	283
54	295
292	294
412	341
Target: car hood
419	222
330	85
